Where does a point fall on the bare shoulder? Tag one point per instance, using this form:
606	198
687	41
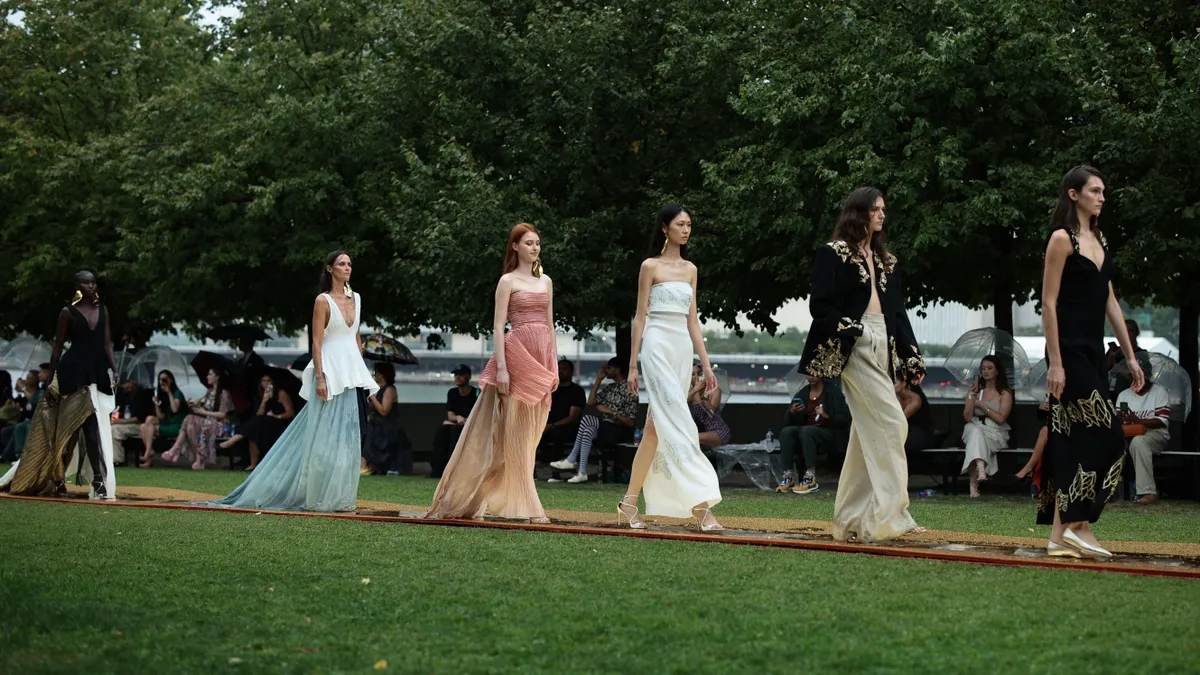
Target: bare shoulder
319	302
549	281
649	264
1060	241
506	281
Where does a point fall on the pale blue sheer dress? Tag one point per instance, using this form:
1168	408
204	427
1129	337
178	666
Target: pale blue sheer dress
314	464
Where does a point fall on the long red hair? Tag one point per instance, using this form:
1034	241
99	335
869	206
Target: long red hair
510	253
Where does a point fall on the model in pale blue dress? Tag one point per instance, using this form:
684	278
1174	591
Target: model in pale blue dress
314	466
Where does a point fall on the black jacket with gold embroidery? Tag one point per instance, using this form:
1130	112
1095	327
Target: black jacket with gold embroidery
841	290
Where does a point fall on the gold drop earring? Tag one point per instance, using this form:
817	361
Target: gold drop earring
664	249
78	296
537	267
96	299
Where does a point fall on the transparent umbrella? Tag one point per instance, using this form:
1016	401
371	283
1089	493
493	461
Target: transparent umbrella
723	383
964	357
795	380
1164	372
23	355
143	368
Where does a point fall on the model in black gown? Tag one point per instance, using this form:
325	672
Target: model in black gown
1082	463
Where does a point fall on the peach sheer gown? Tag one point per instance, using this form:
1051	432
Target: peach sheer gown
491	470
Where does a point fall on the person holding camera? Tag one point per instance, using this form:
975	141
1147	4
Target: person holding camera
818	420
615	414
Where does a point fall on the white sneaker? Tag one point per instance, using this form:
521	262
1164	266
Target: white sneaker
578	478
553	480
564	465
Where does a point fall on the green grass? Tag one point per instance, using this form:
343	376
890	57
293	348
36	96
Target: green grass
1171	521
98	590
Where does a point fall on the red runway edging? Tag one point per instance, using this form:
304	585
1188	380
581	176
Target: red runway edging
801	544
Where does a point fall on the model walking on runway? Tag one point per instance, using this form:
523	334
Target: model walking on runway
1081	465
491	470
679	481
314	464
861	332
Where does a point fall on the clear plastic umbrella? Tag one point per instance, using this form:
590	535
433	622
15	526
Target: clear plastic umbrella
1164	372
795	380
723	383
964	357
143	368
23	355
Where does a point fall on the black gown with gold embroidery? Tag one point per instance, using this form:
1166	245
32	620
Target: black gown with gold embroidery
1083	457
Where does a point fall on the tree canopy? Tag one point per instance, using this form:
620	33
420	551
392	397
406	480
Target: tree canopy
204	170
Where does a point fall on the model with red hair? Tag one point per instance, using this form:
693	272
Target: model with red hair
491	470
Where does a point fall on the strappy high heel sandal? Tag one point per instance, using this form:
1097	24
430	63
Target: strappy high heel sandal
700	514
630	513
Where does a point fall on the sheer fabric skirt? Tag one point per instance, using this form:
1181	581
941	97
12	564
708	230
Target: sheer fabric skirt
491	471
872	496
314	464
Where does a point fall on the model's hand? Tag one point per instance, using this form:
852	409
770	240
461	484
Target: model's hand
1135	372
918	379
554	387
632	382
1056	380
502	381
322	390
710	381
1044	406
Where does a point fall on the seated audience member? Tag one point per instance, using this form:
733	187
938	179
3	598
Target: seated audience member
1119	381
817	419
133	407
920	419
1150	407
10	412
566	408
459	401
615	415
986	410
275	411
387	449
706	413
12	438
170	410
197	439
1039	447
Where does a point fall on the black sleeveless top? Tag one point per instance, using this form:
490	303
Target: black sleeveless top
1083	299
86	361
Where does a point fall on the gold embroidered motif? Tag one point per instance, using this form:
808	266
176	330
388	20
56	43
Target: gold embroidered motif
828	361
1061	500
1092	411
843	251
1113	478
1045	498
885	268
1083	487
846	323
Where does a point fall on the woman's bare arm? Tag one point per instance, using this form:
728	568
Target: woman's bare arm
697	335
1057	252
645	281
500	320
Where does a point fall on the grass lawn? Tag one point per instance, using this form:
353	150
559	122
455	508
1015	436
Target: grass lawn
1174	521
99	590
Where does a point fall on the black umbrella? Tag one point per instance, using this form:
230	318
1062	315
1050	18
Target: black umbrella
381	347
203	362
237	332
301	362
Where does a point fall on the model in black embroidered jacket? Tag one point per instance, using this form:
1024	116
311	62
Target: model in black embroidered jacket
861	332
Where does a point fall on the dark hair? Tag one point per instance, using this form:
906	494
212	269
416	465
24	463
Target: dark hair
81	273
567	363
6	387
1064	211
326	281
387	370
44	366
854	223
620	364
1002	384
174	386
221	384
658	238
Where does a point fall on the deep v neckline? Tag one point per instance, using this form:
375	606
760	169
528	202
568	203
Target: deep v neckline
341	315
90	326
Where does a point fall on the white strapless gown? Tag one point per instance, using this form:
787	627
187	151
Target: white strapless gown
680	477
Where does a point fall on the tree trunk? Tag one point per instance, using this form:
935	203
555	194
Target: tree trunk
624	341
1003	320
1189	356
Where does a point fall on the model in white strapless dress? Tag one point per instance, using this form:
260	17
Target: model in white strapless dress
681	477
